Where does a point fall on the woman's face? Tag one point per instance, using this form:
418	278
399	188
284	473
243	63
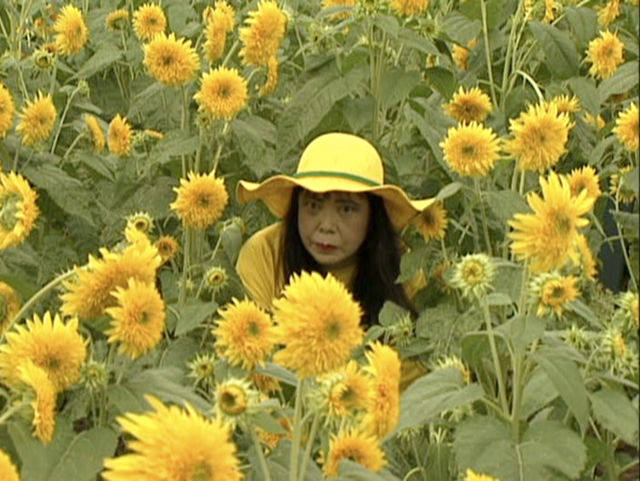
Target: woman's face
333	226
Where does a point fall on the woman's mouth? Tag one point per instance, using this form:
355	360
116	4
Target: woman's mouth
325	247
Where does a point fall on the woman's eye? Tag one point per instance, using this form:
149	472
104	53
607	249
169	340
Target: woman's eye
348	209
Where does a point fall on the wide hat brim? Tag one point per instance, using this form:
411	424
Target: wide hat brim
276	192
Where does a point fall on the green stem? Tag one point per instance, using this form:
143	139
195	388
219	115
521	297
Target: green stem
62	117
524	290
297	430
184	124
103	402
73	144
610	462
517	397
444	251
16	157
307	451
54	74
626	255
266	475
485	223
186	242
36	297
507	58
496	359
533	83
232	50
10	412
487	50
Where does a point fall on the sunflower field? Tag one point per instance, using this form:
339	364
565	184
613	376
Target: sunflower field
129	350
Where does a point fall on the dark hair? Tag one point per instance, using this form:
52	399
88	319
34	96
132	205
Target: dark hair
378	260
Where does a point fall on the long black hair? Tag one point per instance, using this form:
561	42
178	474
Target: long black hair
378	260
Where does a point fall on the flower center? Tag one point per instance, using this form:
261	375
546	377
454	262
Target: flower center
143	318
202	472
254	329
468	150
474	273
333	330
563	223
233	402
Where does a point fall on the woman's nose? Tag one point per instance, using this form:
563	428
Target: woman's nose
327	220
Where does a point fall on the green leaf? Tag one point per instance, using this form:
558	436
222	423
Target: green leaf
630	223
352	471
505	203
565	376
583	23
448	190
192	315
411	263
559	50
585	89
615	412
231	241
388	23
390	314
624	80
522	331
278	372
433	131
175	143
104	57
499	299
459	28
548	451
70	456
583	310
411	39
538	393
439	391
179	352
442	80
267	422
396	85
495	11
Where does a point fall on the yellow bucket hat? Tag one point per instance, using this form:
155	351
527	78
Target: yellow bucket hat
335	162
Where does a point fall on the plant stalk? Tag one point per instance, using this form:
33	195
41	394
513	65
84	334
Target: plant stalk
502	393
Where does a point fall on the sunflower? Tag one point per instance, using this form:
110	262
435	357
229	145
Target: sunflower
173	443
409	8
470	106
455	361
473	476
263	33
10	305
171	61
244	334
44	404
605	54
18	209
272	78
88	292
201	200
120	136
140	221
56	347
432	222
547	236
565	104
621	190
223	93
383	410
551	292
629	305
474	275
584	178
72	32
234	400
627	127
37	119
97	135
540	137
220	22
609	13
148	21
7	109
471	149
203	369
8	471
118	19
343	393
138	319
550	11
167	247
317	322
215	278
587	261
326	4
461	54
355	446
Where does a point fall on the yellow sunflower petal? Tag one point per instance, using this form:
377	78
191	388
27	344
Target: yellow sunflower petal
223	93
37	119
71	29
171	61
355	446
18	208
7	110
201	200
148	21
471	149
262	36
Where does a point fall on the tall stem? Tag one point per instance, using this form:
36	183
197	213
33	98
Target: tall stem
487	50
266	475
186	242
485	224
297	431
10	412
502	393
62	117
624	252
307	451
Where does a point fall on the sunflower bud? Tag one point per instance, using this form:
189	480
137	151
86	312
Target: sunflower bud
140	221
43	59
401	331
203	369
234	399
474	275
95	376
216	278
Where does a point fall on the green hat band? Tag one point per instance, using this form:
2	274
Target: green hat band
330	173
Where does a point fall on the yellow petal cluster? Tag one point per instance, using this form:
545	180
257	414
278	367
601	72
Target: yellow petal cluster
10	304
605	53
627	127
8	471
218	24
71	30
471	149
408	8
356	446
7	110
263	33
223	93
120	136
167	247
171	61
469	106
18	209
201	200
118	19
97	135
44	404
584	178
148	21
37	119
432	222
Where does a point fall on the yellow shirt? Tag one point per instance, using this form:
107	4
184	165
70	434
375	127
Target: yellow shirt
260	266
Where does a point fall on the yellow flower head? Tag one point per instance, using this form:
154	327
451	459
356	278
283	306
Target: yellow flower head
317	322
326	4
474	275
44	404
10	305
8	471
609	13
627	127
584	178
140	221
234	399
271	439
223	93
471	106
220	22
461	54
272	78
18	210
263	33
171	61
547	235
56	347
203	368
595	121
148	21
471	149
265	383
455	361
550	11
97	135
201	200
72	32
244	334
432	222
619	189
180	444
473	476
343	393
552	292
7	110
120	136
138	319
118	19
37	119
605	53
383	411
540	137
409	8
565	104
355	446
89	292
587	261
167	247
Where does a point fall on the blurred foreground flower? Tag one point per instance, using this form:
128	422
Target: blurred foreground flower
472	476
8	471
201	200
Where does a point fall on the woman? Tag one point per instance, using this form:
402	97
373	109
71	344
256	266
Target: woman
339	217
